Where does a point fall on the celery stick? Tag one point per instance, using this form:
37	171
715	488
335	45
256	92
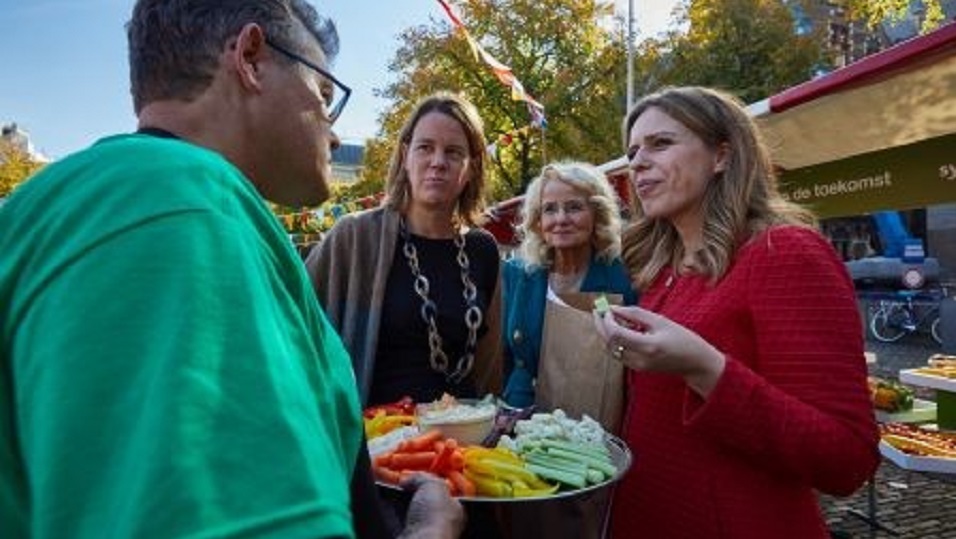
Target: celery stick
595	477
597	463
558	475
596	451
551	461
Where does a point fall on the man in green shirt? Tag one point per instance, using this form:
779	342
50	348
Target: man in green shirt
165	369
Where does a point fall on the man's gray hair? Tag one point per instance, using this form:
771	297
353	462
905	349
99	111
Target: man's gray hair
174	44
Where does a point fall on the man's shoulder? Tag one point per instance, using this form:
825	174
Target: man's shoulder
140	164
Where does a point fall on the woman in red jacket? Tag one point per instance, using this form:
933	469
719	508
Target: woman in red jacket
748	382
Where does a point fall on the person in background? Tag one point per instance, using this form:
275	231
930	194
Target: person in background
571	243
412	286
165	369
747	378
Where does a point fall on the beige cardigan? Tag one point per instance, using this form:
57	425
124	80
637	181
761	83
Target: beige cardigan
349	269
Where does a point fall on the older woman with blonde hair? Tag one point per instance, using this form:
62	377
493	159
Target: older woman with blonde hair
571	245
571	242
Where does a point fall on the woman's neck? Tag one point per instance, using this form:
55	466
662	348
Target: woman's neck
572	261
432	224
692	241
690	228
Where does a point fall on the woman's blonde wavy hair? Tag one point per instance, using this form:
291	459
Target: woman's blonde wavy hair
740	202
583	177
471	202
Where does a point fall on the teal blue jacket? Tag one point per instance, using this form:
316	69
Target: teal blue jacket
525	297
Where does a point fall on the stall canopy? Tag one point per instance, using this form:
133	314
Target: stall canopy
878	134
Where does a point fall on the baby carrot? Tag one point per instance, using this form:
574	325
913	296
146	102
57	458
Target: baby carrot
384	459
386	475
422	442
412	461
462	483
442	460
457	460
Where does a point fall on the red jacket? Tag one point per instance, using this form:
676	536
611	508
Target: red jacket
791	413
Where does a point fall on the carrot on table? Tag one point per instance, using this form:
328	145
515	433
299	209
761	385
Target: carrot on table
457	459
384	474
462	483
422	442
441	463
412	461
384	459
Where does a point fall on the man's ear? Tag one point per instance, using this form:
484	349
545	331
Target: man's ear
246	52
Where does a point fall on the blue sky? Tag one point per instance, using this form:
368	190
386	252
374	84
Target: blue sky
66	82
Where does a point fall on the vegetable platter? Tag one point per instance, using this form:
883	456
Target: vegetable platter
529	457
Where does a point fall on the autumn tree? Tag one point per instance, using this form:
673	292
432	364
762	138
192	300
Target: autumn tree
16	165
559	49
876	11
748	47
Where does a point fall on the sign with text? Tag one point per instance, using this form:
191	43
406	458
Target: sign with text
912	176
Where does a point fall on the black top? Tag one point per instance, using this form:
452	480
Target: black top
402	364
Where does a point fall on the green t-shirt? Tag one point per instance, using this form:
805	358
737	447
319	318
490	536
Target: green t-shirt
165	368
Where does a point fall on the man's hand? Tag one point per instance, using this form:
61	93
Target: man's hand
432	513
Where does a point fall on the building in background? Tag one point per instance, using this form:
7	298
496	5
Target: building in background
347	162
20	139
849	41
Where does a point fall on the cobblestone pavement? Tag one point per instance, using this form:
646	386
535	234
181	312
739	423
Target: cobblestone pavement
914	504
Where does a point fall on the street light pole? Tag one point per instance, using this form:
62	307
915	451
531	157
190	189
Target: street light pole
630	55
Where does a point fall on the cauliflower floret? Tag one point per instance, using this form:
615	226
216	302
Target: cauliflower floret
509	443
557	425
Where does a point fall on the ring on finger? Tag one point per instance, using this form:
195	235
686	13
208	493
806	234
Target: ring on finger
618	352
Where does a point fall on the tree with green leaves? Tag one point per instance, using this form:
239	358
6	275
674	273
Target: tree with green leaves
876	11
16	165
748	47
560	51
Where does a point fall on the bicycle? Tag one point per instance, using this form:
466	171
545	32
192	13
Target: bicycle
895	319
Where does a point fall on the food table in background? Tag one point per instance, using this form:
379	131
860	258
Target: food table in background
945	394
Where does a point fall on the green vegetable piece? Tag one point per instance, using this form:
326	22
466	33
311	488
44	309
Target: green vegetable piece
553	474
601	305
591	450
591	462
595	477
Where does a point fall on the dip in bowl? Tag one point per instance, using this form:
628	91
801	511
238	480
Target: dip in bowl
468	421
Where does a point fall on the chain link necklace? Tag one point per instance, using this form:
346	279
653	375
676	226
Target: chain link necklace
473	317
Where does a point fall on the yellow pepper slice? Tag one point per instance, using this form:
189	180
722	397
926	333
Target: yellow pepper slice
489	486
522	490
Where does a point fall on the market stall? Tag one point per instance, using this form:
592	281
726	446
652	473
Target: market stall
875	135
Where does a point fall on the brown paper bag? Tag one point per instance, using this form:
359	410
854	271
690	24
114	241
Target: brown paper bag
578	375
575	371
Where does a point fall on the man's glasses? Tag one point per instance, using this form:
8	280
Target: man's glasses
338	98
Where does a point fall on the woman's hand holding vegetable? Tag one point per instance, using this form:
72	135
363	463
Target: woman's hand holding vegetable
646	341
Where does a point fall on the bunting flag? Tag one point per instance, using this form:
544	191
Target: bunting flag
501	71
314	221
